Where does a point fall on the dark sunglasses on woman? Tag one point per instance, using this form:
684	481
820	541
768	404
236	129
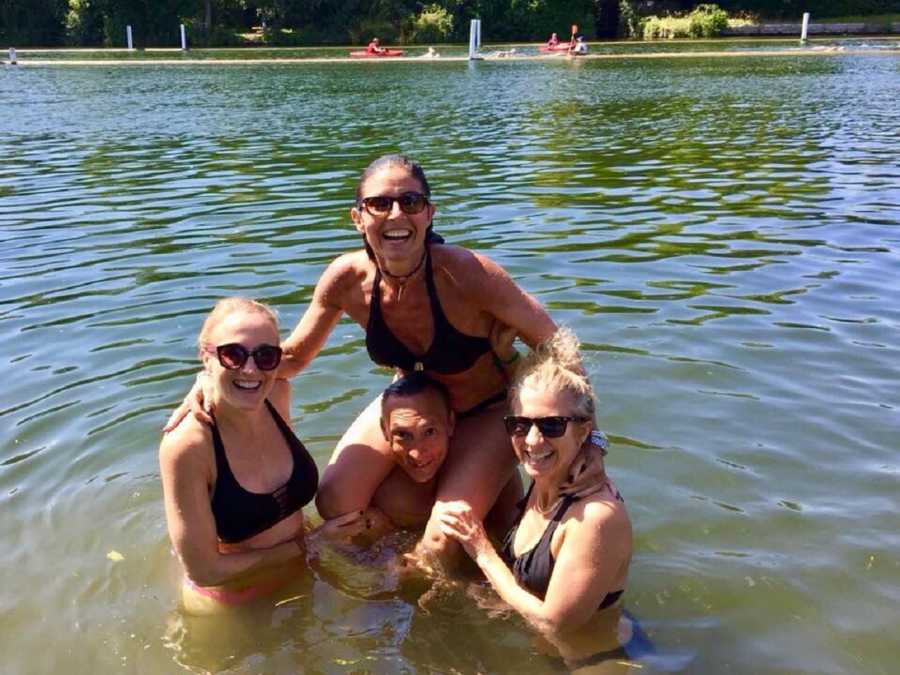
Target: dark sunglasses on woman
233	356
550	427
410	203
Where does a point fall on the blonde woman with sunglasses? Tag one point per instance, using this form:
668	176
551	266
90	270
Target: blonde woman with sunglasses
234	489
564	564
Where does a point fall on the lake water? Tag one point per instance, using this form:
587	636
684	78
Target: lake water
723	234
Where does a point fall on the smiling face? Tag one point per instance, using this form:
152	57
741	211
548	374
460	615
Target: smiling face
418	428
247	387
396	238
547	460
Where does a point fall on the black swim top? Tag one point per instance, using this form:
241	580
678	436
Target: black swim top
534	568
239	513
450	352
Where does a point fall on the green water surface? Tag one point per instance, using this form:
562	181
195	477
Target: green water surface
723	234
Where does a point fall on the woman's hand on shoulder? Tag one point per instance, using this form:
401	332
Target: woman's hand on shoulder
198	402
186	448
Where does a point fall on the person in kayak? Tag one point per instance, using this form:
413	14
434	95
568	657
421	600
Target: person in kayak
579	48
425	306
375	47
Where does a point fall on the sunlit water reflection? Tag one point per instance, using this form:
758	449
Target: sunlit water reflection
722	234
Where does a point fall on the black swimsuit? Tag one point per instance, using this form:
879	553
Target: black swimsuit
534	568
450	351
241	514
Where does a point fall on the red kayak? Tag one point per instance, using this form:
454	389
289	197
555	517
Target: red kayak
363	54
561	47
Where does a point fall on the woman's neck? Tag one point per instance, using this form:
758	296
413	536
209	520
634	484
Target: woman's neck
238	422
399	278
402	272
545	494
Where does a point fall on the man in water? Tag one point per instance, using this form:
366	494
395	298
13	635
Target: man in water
417	421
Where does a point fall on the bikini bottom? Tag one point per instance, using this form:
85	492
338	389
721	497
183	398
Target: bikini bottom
481	407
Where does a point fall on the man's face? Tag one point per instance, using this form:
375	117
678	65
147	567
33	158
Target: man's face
418	429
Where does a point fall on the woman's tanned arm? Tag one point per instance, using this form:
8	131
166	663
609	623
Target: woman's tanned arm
319	319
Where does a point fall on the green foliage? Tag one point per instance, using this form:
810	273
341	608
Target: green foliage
32	24
84	23
155	22
276	36
631	24
365	29
705	21
819	9
432	24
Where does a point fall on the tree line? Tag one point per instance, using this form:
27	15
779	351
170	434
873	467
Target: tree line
54	23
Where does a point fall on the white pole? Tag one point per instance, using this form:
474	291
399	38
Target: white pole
128	36
183	39
474	38
805	27
12	56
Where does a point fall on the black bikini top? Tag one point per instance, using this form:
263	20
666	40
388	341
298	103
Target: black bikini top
534	568
241	514
450	351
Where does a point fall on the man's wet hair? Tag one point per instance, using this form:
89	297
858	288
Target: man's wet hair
412	384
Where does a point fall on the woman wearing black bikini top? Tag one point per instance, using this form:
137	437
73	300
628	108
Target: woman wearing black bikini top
234	489
426	306
568	555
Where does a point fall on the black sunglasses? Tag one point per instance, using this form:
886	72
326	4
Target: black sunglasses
233	356
410	203
550	427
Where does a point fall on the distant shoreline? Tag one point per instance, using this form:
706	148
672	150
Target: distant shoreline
814	28
807	51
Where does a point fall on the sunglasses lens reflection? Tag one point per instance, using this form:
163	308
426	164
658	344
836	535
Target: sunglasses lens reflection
550	427
234	356
267	357
378	205
381	205
412	202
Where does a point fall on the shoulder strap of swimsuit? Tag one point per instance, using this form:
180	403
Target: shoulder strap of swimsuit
436	310
282	425
223	468
550	530
564	505
375	303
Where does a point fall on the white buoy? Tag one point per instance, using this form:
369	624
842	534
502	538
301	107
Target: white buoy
128	37
474	39
12	56
183	39
805	28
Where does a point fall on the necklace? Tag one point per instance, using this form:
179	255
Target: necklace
403	278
